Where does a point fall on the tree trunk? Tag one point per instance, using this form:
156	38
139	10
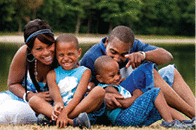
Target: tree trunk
20	24
34	13
89	25
110	27
78	25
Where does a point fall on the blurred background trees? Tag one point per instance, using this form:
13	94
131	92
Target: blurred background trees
168	17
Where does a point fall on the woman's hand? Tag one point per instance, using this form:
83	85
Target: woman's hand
45	95
58	107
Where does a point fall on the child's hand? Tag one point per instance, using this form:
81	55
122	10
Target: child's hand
62	120
57	110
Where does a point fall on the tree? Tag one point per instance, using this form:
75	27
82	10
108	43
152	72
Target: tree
118	11
6	13
186	24
33	5
79	7
24	9
58	14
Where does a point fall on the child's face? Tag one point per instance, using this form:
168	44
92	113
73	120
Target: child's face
110	74
67	55
117	50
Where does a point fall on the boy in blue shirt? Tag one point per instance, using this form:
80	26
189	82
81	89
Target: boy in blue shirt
68	86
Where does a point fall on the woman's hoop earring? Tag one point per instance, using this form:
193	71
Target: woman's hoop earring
30	57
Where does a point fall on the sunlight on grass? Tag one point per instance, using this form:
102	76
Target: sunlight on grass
154	126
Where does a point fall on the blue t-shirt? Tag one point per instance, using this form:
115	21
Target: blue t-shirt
113	114
67	81
99	49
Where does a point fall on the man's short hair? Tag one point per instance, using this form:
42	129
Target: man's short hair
123	33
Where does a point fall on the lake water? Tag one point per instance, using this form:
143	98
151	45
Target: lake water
184	59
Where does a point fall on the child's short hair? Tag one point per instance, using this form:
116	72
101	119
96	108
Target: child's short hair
101	62
123	33
68	38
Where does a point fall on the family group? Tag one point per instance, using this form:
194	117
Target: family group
50	84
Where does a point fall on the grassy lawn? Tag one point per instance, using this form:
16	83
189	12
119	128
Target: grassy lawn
154	126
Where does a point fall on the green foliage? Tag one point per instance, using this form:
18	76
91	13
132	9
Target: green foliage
168	17
7	9
118	11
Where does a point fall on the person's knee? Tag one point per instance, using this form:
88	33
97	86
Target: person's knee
35	101
156	76
99	91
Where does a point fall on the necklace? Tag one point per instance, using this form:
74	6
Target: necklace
35	70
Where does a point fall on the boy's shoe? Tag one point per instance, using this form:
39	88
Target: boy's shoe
174	124
42	120
82	121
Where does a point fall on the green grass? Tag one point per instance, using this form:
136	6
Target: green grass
154	126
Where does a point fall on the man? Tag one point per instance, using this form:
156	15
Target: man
130	53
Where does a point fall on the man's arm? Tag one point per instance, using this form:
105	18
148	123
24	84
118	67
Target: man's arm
142	51
153	53
111	97
159	56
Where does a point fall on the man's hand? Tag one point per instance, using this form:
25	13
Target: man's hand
134	59
111	100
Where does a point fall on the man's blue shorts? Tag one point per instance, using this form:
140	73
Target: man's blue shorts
142	78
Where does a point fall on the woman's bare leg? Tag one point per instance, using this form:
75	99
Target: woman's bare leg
172	98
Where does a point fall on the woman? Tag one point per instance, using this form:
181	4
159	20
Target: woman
27	74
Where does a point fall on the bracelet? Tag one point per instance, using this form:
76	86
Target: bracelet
24	96
144	54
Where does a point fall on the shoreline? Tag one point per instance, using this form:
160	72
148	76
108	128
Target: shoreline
15	39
